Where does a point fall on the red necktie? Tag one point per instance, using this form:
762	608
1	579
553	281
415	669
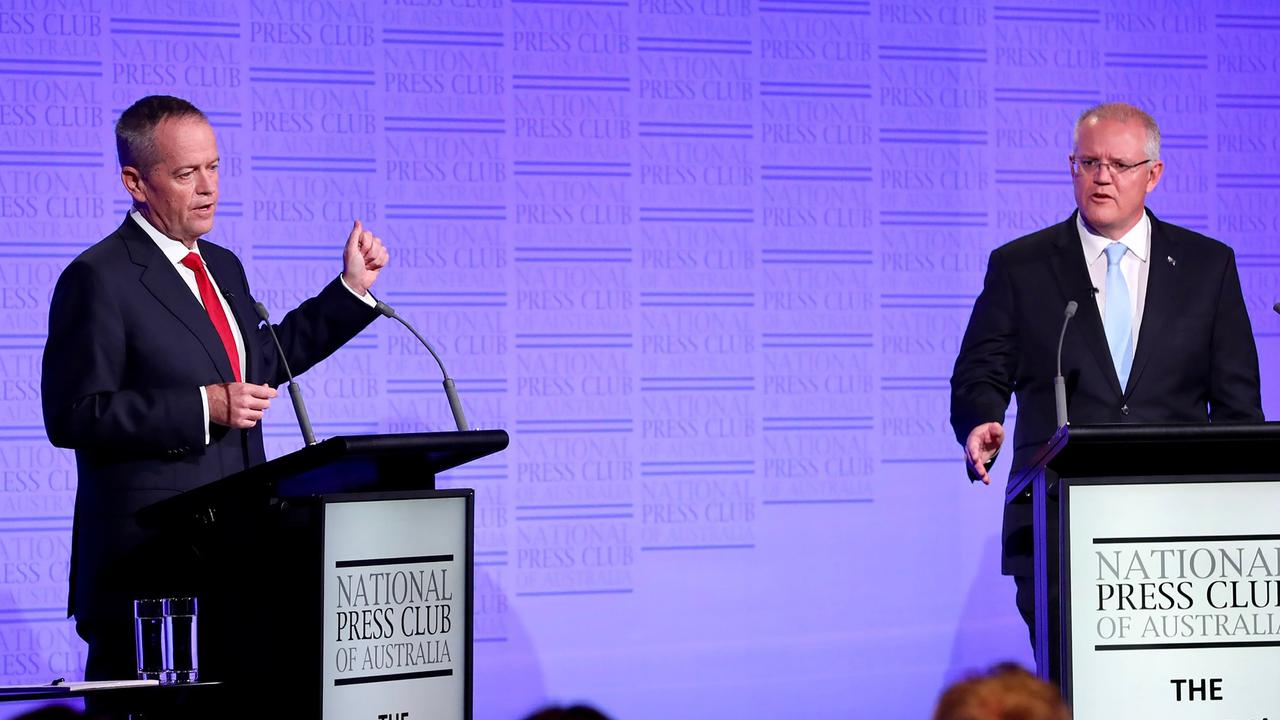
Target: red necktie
213	306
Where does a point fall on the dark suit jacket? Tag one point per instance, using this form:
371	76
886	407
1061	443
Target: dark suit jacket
1195	360
129	346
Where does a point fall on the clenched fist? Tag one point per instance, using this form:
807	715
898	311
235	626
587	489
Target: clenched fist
362	259
238	405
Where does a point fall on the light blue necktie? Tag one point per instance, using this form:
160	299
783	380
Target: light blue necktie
1118	320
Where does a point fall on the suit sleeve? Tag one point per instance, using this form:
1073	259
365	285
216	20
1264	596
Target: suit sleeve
313	331
982	380
86	403
1235	393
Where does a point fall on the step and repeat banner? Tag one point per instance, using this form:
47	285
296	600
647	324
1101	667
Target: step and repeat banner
707	261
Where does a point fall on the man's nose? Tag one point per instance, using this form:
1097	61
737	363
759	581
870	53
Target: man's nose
207	184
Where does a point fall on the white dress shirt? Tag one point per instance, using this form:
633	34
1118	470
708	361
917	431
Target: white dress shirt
1135	265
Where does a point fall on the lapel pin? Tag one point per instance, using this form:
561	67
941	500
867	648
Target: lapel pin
1172	262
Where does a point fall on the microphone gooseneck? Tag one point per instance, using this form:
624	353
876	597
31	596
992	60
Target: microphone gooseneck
455	404
1060	385
295	392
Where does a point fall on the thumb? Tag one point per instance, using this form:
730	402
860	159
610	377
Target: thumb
353	240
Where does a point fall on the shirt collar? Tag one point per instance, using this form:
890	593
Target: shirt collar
171	248
1137	240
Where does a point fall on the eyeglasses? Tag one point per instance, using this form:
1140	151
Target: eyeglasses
1092	165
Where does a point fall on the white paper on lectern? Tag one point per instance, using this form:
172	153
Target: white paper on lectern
382	529
108	684
1143	682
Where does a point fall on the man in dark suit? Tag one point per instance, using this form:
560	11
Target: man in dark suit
156	371
1161	335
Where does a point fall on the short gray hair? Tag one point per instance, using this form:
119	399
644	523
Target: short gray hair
135	131
1121	112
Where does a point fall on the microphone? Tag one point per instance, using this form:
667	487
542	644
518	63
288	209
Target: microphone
295	392
449	390
1060	385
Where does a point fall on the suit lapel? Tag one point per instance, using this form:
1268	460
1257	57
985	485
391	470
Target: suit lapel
1072	274
161	279
1162	284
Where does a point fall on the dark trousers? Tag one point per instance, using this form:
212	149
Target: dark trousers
111	649
1026	599
111	657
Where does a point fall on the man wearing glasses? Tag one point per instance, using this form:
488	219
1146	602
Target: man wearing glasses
1161	335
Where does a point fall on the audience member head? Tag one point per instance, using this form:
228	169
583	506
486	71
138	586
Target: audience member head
573	712
1006	692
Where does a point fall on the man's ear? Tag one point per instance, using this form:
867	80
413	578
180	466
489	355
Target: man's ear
1157	171
131	177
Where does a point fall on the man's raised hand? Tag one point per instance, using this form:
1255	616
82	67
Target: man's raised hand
362	259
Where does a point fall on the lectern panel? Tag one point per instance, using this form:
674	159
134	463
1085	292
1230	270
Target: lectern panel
1175	597
397	639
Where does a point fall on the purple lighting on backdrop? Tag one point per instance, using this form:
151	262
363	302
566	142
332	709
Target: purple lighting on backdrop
707	261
